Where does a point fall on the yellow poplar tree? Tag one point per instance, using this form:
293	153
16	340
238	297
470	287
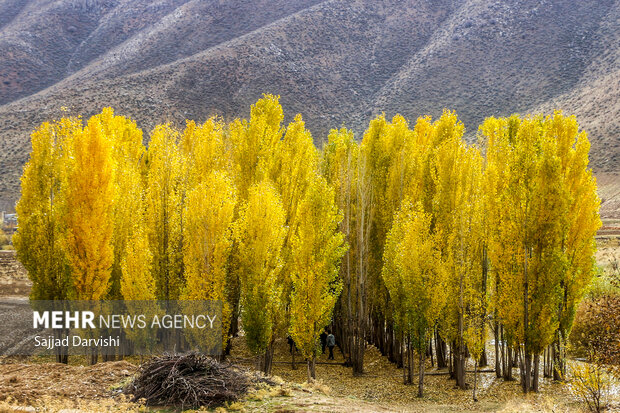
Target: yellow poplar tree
317	248
207	233
496	137
127	153
137	285
340	164
164	198
137	282
253	147
254	142
533	263
579	226
295	166
376	155
259	234
447	171
205	149
416	280
41	210
469	257
90	203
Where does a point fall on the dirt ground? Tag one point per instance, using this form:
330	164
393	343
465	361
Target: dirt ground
41	385
38	384
27	381
14	280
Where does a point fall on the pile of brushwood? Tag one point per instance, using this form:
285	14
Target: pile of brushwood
192	380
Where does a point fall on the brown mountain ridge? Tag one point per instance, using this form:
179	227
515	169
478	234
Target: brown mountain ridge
335	62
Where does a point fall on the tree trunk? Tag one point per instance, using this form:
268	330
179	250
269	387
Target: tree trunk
358	354
451	362
311	368
457	355
559	369
293	365
509	363
233	328
430	351
526	348
421	375
268	359
483	362
498	372
94	355
527	373
460	369
475	379
440	351
399	354
485	274
536	373
410	362
547	362
515	358
62	355
381	334
404	374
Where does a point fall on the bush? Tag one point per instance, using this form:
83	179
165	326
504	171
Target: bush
595	334
590	382
4	239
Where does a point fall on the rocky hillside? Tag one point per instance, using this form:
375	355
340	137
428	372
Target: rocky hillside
336	62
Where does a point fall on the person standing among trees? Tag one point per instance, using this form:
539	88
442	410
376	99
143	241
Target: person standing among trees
323	338
331	343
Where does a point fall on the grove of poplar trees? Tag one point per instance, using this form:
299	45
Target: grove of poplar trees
411	239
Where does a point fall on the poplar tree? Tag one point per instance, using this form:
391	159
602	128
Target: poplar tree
253	147
164	198
496	136
534	227
137	285
254	143
137	282
416	280
205	148
447	172
317	248
579	227
127	155
259	235
207	232
340	166
470	255
376	153
89	216
42	209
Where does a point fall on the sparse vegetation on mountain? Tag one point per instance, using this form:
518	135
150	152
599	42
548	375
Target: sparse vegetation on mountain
334	62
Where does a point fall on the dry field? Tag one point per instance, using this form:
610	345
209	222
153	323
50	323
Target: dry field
39	384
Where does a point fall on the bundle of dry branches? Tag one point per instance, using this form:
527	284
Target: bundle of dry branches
191	380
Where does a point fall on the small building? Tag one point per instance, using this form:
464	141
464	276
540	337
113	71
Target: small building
8	222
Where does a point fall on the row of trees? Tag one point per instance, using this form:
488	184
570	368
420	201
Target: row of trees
449	238
237	213
371	236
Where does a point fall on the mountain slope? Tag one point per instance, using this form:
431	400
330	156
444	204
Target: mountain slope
336	62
